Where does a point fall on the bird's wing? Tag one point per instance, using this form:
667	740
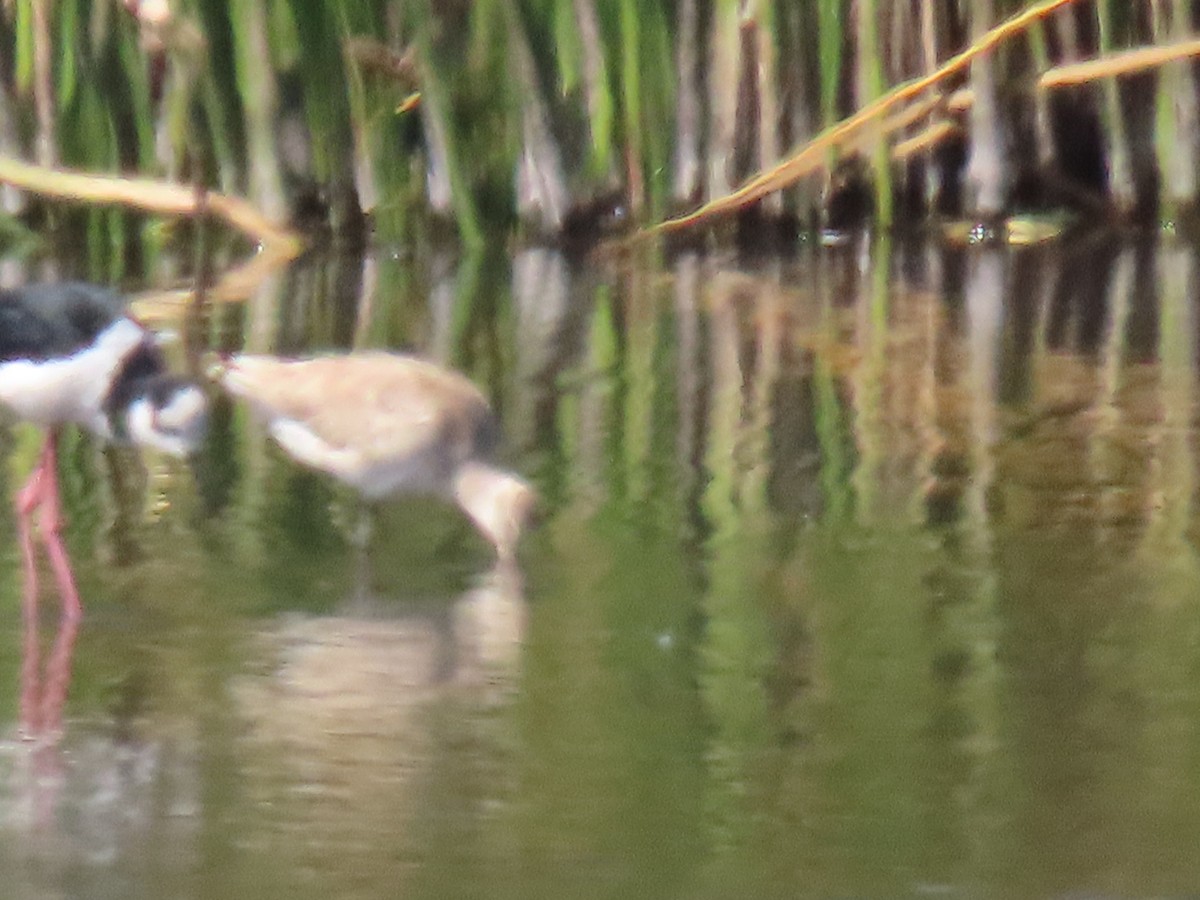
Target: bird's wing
38	321
377	405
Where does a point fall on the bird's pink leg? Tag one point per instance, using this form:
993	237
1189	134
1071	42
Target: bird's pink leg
58	677
30	496
61	563
29	654
28	499
40	493
50	524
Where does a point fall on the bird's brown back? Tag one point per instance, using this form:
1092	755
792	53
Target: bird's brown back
380	405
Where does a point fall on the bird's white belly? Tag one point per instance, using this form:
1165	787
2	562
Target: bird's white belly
410	476
375	478
71	388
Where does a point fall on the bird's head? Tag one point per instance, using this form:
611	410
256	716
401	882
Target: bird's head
501	504
167	413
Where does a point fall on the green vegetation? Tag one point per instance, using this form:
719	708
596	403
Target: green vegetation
582	117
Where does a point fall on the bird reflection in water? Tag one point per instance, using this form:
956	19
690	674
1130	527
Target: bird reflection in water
351	715
44	689
43	692
43	696
78	786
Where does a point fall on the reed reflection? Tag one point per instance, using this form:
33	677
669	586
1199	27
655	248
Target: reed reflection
1003	393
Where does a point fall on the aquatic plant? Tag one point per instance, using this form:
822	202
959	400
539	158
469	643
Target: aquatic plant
579	118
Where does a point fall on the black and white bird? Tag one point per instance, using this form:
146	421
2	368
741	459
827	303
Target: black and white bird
69	354
388	424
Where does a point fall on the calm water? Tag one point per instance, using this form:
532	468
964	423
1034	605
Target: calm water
867	573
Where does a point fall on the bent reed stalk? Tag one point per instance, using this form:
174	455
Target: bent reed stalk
812	156
152	196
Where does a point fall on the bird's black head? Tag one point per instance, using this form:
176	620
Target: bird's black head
166	412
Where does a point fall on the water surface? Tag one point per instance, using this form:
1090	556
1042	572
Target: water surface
867	572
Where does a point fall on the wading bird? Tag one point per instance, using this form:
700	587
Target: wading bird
388	424
69	354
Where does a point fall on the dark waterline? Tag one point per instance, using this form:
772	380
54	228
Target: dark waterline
869	572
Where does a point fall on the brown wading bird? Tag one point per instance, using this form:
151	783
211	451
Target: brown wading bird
388	424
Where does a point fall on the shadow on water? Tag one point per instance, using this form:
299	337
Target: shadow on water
869	571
